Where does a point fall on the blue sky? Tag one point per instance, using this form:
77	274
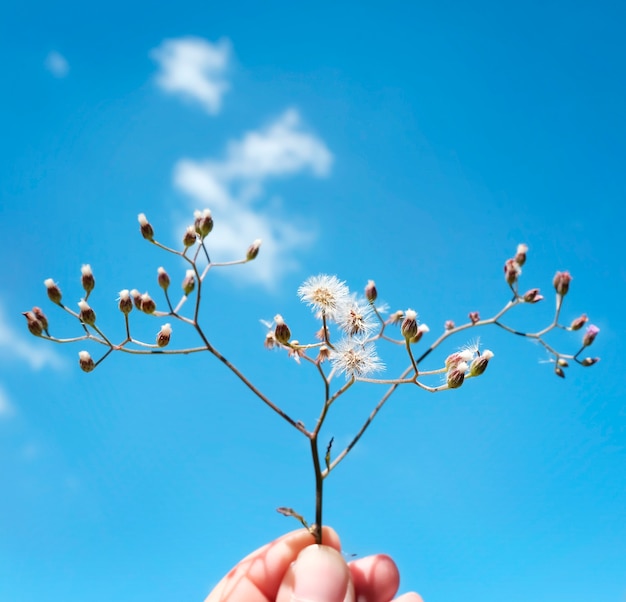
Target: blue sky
413	145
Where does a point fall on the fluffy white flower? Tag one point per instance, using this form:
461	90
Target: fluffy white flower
355	358
355	319
325	294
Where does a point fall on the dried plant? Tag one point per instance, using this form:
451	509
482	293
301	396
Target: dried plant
343	352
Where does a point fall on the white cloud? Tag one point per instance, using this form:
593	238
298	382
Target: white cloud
15	345
6	408
194	68
231	188
57	64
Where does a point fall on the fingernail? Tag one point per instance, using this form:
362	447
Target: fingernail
320	575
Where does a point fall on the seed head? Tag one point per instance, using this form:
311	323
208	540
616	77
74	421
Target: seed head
561	283
87	279
203	222
163	336
54	292
125	303
355	358
325	294
189	282
86	314
85	361
144	225
355	319
163	278
253	250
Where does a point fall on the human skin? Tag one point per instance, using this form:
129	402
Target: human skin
291	569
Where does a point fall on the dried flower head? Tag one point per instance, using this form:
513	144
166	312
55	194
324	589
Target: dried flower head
147	304
456	375
86	314
35	327
163	278
512	271
325	294
323	355
409	324
189	282
190	237
421	329
85	361
561	282
38	312
136	295
87	279
281	331
203	222
520	255
163	336
54	292
144	225
355	358
125	303
371	294
480	362
253	250
355	319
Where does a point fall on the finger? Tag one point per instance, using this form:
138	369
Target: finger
319	574
411	597
258	576
376	579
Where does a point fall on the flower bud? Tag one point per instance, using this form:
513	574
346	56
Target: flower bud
457	358
54	292
203	222
409	324
474	317
579	322
163	336
456	376
86	314
41	317
561	282
125	303
144	225
253	250
421	329
520	255
189	238
559	371
146	304
163	279
562	362
396	317
512	271
34	325
449	325
590	361
371	294
85	361
479	364
281	331
189	282
532	296
136	295
590	335
270	340
87	279
323	355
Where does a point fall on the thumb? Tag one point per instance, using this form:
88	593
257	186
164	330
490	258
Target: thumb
319	574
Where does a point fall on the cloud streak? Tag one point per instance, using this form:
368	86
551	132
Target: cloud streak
57	64
6	408
234	187
194	69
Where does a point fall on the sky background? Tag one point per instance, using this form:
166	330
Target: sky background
415	145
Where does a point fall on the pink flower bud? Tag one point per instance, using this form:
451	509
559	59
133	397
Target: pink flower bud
144	225
579	322
449	325
34	325
54	292
512	271
590	361
163	278
281	331
520	255
474	317
189	238
203	222
86	314
136	295
561	282
125	303
371	294
409	324
456	376
37	311
590	335
146	304
253	250
532	296
85	362
189	282
87	279
163	336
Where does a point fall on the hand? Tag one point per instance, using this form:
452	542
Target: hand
290	569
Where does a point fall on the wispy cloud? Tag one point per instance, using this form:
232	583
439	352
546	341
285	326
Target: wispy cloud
194	69
57	64
6	407
234	187
15	345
